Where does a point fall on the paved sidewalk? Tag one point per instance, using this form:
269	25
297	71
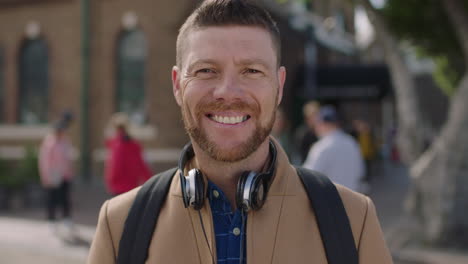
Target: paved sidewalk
430	256
388	191
35	241
25	237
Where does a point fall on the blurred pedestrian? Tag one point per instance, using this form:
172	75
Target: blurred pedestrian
280	131
305	137
363	134
125	168
56	169
336	154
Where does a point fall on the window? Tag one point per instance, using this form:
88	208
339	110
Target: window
131	68
33	82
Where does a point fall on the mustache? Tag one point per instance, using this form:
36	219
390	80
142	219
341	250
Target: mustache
203	107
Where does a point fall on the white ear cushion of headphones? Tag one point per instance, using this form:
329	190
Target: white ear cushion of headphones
247	189
190	186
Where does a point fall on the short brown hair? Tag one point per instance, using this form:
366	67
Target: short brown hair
227	13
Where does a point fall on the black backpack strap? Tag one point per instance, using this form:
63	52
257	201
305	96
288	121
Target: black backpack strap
142	219
332	219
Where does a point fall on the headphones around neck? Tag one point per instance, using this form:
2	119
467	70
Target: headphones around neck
252	187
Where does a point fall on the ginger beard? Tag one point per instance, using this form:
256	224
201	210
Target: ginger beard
243	150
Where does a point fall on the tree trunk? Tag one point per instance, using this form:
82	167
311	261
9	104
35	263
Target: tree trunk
439	194
440	183
414	131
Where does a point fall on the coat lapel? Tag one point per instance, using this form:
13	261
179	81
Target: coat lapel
262	225
206	244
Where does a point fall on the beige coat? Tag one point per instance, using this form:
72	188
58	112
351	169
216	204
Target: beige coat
283	231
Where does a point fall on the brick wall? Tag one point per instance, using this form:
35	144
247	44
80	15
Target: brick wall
61	29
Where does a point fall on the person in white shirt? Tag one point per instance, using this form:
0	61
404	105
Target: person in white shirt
336	154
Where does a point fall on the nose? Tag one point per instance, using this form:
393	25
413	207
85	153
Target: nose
229	88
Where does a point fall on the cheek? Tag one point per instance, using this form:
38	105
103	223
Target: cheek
268	97
196	90
191	96
193	88
271	104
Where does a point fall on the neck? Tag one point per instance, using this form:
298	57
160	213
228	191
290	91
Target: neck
226	174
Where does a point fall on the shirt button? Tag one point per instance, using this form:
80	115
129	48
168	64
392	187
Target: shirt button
216	193
236	231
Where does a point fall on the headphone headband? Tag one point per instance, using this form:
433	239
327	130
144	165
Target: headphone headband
187	154
272	166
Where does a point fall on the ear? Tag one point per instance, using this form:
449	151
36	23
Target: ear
281	80
176	85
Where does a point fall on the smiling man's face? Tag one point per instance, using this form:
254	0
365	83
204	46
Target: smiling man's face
228	87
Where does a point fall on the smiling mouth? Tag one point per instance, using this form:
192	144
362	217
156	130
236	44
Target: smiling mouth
229	120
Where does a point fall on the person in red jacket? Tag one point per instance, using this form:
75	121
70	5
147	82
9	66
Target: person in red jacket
125	168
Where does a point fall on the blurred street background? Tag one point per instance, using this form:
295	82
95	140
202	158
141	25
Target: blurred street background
27	237
82	75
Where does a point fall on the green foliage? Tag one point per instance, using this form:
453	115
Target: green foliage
445	76
26	171
7	177
4	172
28	167
425	24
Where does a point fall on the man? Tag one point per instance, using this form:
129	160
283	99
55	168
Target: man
228	83
336	154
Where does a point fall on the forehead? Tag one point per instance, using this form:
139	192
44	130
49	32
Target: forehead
229	42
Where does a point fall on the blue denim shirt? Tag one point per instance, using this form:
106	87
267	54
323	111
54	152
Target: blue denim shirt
229	227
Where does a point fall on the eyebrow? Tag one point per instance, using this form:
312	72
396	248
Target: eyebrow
258	61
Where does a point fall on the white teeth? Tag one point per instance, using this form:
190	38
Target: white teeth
229	120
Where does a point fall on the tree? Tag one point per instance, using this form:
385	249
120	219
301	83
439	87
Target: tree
439	171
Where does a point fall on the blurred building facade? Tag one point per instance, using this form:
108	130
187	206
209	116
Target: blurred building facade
131	52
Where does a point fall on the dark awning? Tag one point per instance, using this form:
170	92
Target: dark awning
355	81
